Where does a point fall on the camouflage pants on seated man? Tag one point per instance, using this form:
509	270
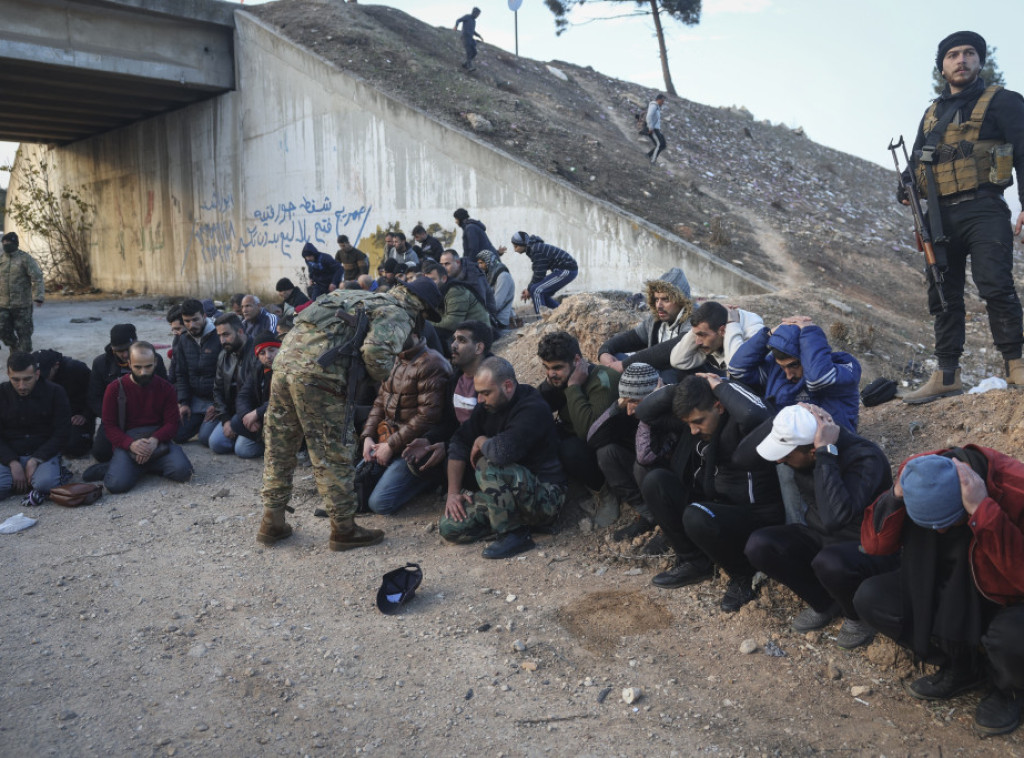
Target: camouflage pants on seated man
298	410
509	497
16	328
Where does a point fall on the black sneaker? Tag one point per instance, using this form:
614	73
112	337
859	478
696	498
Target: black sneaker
632	531
944	684
809	619
687	572
997	713
509	544
738	594
95	472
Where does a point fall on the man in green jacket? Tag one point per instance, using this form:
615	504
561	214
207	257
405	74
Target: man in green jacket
460	304
21	285
579	391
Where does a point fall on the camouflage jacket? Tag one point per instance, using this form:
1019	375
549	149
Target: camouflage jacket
21	280
317	329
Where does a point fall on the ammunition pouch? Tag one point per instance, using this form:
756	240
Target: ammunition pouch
959	161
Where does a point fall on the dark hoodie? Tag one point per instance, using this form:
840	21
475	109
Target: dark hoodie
474	239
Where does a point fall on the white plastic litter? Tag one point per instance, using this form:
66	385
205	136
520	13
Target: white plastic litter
16	524
991	383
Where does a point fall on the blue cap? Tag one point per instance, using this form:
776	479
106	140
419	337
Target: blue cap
931	492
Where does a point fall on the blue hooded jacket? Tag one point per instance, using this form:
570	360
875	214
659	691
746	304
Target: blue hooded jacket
830	379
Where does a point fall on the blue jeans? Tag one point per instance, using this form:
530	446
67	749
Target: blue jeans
194	424
44	479
399	485
241	446
124	473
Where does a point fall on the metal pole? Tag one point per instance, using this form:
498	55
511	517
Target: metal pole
517	33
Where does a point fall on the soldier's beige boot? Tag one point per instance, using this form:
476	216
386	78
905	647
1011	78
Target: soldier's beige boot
346	534
940	384
273	528
1015	373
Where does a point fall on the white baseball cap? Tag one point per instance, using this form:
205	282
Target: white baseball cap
792	427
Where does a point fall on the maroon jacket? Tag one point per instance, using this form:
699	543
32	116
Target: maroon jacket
997	547
153	405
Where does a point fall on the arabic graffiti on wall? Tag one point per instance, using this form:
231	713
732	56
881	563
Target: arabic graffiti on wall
283	226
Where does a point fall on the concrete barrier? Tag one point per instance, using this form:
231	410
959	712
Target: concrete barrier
220	196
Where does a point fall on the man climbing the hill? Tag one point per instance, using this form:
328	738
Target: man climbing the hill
468	33
968	142
654	128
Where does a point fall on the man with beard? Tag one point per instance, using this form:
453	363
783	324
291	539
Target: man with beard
354	262
709	504
716	331
471	344
579	392
460	302
509	441
111	365
140	418
463	270
956	516
427	246
34	423
499	279
195	372
968	143
839	474
652	340
21	287
235	362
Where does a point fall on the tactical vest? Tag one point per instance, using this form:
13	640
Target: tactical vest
962	161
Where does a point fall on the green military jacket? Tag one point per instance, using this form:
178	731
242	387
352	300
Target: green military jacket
21	280
585	402
460	304
318	329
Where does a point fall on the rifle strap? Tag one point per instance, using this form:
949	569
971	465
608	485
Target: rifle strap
931	141
122	405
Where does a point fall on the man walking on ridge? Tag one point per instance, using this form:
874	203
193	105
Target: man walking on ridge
468	33
654	128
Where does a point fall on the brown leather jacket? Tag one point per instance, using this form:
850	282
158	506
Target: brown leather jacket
411	399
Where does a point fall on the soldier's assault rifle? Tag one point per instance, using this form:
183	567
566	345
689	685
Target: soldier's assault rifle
924	239
349	352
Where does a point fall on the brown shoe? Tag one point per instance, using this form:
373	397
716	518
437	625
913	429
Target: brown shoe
940	384
1015	373
346	534
273	528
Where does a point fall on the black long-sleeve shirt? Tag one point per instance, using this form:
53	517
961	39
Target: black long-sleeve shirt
37	424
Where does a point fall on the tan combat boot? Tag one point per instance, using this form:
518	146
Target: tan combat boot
273	528
346	534
1015	373
940	384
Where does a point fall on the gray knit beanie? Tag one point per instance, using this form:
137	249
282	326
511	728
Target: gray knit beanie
638	381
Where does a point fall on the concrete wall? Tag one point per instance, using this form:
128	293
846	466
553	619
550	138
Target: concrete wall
221	196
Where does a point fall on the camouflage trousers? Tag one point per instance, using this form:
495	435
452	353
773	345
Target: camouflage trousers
509	497
16	328
299	410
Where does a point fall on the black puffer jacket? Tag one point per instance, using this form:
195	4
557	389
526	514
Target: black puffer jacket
196	365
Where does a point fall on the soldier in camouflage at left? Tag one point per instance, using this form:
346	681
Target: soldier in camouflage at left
21	285
308	399
511	442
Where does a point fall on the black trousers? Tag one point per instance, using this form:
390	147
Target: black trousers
879	602
979	229
580	462
716	530
659	144
820	571
80	439
616	463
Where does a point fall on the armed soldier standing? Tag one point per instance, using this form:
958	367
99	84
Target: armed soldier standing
315	378
968	142
21	285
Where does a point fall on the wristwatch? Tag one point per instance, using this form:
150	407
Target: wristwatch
830	449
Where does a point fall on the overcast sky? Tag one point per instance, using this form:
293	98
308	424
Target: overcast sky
853	74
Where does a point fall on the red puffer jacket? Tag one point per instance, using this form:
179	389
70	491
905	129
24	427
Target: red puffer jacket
997	548
411	399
